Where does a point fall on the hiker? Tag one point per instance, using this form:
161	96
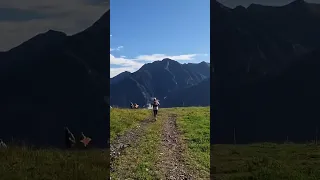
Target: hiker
2	144
136	105
69	138
85	140
155	106
131	105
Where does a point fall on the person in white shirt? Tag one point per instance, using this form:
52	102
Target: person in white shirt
155	106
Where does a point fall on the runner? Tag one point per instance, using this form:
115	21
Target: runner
155	106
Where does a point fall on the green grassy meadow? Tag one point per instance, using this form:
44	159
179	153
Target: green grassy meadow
140	162
266	161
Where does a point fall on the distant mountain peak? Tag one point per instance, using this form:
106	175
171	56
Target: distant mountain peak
218	4
240	8
298	2
253	5
204	63
53	31
124	73
41	40
167	59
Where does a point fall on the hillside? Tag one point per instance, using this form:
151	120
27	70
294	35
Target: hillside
161	79
54	80
265	72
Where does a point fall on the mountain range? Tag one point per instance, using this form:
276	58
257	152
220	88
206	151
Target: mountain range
55	80
174	84
266	72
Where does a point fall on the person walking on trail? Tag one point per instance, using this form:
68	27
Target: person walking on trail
155	106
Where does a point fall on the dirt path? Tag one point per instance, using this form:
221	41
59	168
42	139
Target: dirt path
172	164
129	138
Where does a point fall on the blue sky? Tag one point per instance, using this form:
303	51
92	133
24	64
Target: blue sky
144	31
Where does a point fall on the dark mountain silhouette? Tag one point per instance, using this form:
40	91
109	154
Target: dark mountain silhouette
54	80
160	79
196	95
265	72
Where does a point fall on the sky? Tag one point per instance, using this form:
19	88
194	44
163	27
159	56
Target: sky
144	31
21	20
246	3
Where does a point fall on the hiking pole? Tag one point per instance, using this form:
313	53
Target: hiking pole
234	136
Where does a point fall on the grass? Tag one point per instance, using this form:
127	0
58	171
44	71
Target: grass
18	163
194	125
124	119
139	162
266	161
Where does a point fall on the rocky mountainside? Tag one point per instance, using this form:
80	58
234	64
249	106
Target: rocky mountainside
265	72
160	79
54	80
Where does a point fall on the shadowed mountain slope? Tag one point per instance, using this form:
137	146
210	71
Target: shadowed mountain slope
265	72
54	80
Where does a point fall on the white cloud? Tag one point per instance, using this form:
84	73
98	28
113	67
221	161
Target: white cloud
126	65
116	49
124	62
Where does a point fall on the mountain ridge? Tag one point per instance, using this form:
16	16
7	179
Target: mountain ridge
158	79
